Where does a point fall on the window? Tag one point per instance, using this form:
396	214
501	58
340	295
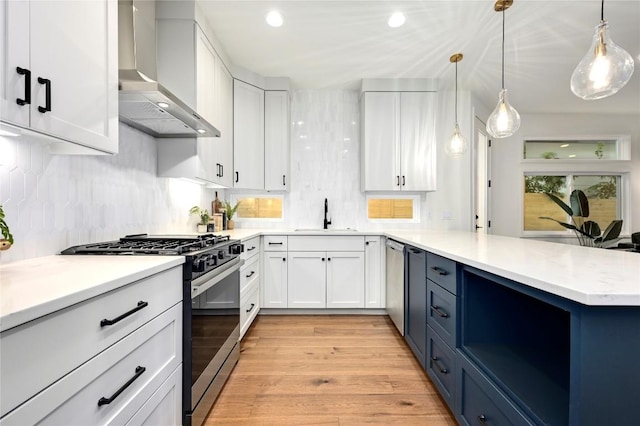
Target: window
602	191
577	149
259	208
393	208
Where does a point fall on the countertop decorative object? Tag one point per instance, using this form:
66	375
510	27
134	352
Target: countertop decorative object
205	217
7	239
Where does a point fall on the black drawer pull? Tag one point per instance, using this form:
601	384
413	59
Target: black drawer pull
27	86
439	271
252	248
275	244
47	94
105	401
442	369
482	420
141	305
439	311
253	305
252	272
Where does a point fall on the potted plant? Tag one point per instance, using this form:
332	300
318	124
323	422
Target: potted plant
7	239
205	217
588	232
231	211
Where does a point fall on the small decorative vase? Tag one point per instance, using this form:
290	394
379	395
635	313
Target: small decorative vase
202	228
4	244
230	224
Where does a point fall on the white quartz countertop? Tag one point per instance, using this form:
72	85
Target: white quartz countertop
586	275
36	287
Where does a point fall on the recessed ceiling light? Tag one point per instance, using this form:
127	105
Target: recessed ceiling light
564	145
201	131
397	20
274	18
572	156
163	105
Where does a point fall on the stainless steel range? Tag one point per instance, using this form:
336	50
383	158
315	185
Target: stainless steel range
211	308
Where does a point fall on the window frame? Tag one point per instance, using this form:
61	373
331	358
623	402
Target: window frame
416	207
623	148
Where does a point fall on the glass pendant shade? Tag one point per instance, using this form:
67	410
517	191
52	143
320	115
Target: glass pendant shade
604	70
504	121
457	145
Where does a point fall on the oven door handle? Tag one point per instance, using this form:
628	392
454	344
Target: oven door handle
208	280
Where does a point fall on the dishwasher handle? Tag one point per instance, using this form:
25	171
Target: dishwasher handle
393	245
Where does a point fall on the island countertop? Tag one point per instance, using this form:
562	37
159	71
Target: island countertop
587	275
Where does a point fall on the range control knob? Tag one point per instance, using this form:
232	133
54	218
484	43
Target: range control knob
198	265
221	254
236	248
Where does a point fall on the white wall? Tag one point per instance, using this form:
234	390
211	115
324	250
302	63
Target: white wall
53	201
507	166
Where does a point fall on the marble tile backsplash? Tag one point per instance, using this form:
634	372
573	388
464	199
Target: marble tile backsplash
56	201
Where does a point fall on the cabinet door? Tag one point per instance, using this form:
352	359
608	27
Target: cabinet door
14	53
276	140
206	69
374	291
248	136
381	130
307	279
345	279
418	141
273	292
223	146
79	59
416	302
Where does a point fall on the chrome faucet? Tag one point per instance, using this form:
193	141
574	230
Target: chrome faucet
326	210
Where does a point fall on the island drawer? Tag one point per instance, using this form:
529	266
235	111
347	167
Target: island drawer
442	271
249	307
249	273
442	312
274	243
481	402
53	345
441	366
251	248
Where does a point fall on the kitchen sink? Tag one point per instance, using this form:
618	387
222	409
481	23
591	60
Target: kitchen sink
320	230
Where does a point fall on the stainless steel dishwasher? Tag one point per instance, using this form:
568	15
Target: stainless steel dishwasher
395	283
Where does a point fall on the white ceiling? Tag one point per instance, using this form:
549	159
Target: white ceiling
334	44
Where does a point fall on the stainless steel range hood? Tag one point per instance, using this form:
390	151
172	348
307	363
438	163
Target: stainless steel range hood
144	103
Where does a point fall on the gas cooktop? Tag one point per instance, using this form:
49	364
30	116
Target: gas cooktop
152	244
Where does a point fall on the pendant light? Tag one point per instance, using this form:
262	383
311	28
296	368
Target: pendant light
605	69
504	121
457	145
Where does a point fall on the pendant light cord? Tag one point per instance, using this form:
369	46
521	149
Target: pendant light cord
503	46
456	93
602	11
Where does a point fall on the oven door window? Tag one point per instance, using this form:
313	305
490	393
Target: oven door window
215	319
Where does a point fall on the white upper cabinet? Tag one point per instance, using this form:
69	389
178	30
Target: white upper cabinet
276	140
59	73
398	152
223	146
248	136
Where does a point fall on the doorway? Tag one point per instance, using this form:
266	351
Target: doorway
481	178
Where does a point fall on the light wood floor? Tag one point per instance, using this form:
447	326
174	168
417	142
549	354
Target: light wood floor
327	370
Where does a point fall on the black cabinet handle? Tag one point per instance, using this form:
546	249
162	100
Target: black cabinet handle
482	420
439	311
323	259
442	369
105	401
439	271
366	243
237	176
27	86
275	244
403	180
47	94
284	180
252	248
251	308
251	274
141	305
284	259
329	259
397	180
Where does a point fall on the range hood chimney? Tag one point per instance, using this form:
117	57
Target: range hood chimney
144	103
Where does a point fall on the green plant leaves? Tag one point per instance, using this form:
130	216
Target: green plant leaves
612	231
566	225
591	228
561	203
579	204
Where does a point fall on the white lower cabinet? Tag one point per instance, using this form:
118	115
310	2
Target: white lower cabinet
307	280
374	290
249	283
164	408
273	292
111	387
345	279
